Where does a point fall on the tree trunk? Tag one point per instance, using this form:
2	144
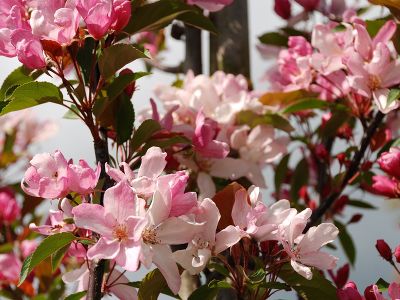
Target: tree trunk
193	59
229	49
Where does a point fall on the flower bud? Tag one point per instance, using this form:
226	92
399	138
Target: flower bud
384	250
283	9
130	88
356	218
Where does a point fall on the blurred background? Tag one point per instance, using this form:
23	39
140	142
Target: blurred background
74	140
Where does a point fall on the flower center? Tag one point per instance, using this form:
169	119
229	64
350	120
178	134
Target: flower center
374	82
120	232
149	236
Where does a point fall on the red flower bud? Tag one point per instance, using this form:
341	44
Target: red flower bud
356	218
384	250
341	157
283	8
397	253
130	88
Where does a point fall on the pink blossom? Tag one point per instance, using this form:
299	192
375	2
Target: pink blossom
204	140
207	242
57	222
390	162
374	78
255	218
121	14
149	41
10	267
117	224
144	182
303	249
57	21
12	17
47	176
101	16
382	185
210	5
29	49
181	203
10	210
81	178
159	231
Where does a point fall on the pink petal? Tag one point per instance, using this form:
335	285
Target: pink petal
175	231
92	217
119	201
153	163
227	238
385	33
163	260
301	269
240	209
318	236
320	260
120	289
104	249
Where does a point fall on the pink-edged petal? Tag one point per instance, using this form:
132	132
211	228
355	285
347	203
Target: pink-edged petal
115	174
128	257
209	215
119	201
104	249
160	206
390	76
394	290
226	238
185	259
153	163
175	231
265	232
320	260
381	101
297	224
92	217
318	236
163	260
302	269
182	204
363	42
240	209
385	33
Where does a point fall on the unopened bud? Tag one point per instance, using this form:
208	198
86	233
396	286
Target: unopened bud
384	250
397	253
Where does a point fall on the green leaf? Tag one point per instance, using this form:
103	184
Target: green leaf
304	104
48	246
152	285
71	114
117	56
316	288
17	77
124	119
257	276
280	173
274	38
157	15
347	242
197	20
76	296
382	284
121	82
275	286
57	257
144	133
166	143
394	95
218	268
360	204
373	26
32	94
299	178
210	291
252	119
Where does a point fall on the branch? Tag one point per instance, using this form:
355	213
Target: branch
351	171
193	59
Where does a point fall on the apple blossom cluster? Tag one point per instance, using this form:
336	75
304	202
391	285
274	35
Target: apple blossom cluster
147	211
205	110
342	60
25	25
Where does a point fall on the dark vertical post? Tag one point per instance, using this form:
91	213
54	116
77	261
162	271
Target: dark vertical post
193	59
229	49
